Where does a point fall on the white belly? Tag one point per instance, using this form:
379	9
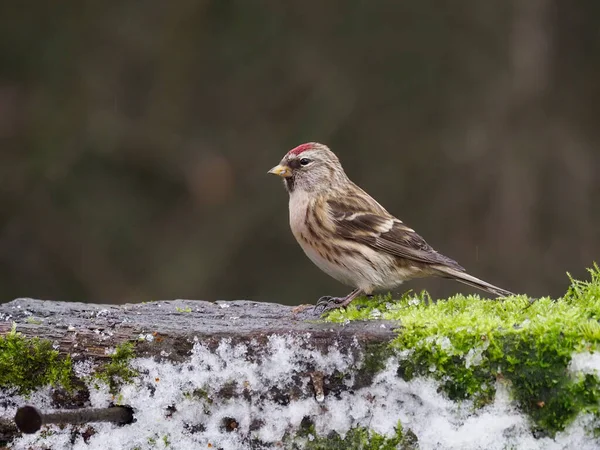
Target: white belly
340	272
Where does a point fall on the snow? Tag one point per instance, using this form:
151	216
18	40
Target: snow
258	368
474	356
585	363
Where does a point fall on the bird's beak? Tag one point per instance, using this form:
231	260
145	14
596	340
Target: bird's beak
282	171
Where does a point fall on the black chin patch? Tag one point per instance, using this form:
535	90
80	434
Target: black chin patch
289	183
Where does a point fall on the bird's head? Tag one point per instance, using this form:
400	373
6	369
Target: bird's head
310	167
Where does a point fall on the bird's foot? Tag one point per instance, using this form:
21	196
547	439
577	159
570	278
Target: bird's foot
328	303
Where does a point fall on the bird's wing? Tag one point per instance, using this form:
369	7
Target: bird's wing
370	224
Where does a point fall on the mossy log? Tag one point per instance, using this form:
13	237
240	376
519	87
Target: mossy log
105	338
410	373
85	330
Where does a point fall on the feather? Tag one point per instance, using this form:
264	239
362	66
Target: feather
382	231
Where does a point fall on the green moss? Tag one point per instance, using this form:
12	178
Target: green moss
34	320
27	364
117	371
374	360
469	343
202	396
198	394
359	438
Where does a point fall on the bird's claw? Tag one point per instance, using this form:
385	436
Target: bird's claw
327	302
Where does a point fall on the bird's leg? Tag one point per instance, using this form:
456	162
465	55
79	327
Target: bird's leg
328	302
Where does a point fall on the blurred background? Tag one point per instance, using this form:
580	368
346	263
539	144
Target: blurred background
135	138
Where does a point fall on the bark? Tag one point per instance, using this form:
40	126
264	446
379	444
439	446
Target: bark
168	330
86	330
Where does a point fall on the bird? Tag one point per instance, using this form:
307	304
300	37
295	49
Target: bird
348	235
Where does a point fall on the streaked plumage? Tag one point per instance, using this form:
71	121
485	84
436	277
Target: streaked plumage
350	236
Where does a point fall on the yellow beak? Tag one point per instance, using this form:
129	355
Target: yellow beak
282	171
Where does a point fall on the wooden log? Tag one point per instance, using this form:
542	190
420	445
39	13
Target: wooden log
459	373
85	330
166	332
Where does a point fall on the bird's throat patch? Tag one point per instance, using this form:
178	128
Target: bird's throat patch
289	183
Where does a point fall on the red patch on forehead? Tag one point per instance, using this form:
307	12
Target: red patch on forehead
301	148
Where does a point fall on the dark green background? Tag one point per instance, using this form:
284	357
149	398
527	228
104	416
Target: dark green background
136	136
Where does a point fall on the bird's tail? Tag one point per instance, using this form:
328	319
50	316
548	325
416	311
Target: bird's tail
463	277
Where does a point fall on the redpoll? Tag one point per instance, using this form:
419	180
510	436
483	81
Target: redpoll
350	236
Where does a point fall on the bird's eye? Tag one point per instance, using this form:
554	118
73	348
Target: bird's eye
304	161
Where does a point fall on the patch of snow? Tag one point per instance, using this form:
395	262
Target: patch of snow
259	368
445	344
146	337
375	314
474	356
414	301
83	368
586	363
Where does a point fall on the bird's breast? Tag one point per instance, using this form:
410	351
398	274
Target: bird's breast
314	234
349	262
299	207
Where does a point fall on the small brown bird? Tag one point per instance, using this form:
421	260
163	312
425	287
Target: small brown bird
350	236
